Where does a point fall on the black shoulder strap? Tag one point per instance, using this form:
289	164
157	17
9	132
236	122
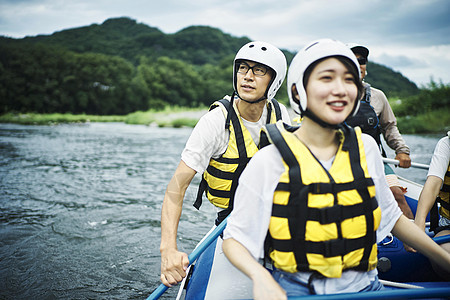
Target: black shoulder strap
434	216
367	92
263	139
358	173
233	118
228	106
277	108
297	190
201	189
203	184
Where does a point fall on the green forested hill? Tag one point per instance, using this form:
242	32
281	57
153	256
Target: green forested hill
394	84
121	66
128	39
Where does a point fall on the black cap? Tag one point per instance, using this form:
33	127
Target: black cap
360	49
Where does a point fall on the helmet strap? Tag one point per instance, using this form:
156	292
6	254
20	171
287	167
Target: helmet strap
312	116
252	102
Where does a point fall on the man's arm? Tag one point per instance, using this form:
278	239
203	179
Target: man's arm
389	129
173	262
426	199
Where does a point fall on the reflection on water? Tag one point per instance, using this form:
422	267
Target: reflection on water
80	208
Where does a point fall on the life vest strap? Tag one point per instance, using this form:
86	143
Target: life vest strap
331	248
325	215
277	109
219	193
201	189
434	215
445	188
219	173
330	187
225	160
443	204
241	161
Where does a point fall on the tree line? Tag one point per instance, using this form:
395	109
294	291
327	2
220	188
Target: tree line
46	79
121	66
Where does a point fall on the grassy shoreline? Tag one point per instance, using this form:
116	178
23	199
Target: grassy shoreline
173	117
432	122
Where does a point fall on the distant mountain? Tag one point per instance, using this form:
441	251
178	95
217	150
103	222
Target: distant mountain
128	39
121	37
393	83
209	52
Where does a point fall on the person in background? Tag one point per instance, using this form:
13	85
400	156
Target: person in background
221	144
322	226
437	189
376	117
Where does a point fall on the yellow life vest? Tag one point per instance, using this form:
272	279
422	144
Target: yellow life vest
444	195
323	221
220	179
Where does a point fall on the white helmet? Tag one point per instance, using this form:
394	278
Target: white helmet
268	55
304	58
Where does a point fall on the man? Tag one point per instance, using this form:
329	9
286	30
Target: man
437	189
221	144
375	116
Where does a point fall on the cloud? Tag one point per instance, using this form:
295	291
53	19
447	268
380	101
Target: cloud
402	61
421	22
402	34
420	64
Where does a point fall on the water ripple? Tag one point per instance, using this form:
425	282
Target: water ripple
80	208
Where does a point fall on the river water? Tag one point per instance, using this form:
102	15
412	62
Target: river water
80	208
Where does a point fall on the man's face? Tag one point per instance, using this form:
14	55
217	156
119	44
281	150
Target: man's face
252	80
362	66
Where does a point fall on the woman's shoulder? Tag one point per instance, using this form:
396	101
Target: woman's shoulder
268	159
370	147
269	153
368	141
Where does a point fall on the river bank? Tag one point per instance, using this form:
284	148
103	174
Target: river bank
431	122
170	117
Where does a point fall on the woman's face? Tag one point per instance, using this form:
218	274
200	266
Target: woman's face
331	91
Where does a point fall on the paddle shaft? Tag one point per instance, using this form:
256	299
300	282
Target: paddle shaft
442	239
414	165
193	256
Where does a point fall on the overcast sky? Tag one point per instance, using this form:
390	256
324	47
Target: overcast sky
409	36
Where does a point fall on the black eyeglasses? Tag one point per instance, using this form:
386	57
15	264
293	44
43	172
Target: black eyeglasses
258	69
362	60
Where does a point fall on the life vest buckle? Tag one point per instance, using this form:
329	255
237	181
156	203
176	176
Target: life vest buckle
322	188
334	248
331	214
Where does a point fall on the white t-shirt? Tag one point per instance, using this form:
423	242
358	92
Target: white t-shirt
249	221
440	159
210	139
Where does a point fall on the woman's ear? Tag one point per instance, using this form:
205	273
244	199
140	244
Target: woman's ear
295	93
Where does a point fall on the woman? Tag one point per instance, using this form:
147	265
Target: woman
313	191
